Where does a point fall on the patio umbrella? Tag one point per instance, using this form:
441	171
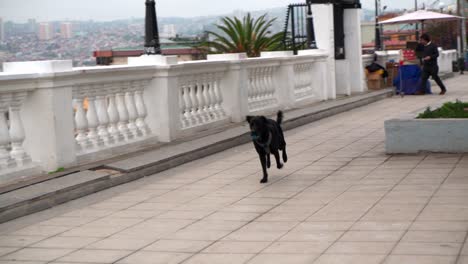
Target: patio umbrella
419	16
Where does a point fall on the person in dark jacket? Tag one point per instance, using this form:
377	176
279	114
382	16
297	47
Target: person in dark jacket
430	67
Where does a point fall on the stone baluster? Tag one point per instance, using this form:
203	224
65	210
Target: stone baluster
81	122
194	102
211	93
141	108
188	104
200	111
263	77
132	111
5	160
103	115
253	87
206	98
257	85
123	112
270	84
17	135
114	115
182	105
218	95
93	121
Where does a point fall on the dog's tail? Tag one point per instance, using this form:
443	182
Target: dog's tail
279	117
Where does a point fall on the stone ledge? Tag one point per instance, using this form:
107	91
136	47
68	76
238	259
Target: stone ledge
409	135
44	195
47	194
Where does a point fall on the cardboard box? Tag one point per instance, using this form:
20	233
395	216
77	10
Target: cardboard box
376	84
374	76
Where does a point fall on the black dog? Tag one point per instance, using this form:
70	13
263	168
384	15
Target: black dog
268	138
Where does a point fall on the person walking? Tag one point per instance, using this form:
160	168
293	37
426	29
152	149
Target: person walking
430	66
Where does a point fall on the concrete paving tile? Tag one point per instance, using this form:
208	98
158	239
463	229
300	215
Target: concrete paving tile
381	226
137	214
182	246
92	231
440	226
119	243
237	247
372	236
286	258
148	257
411	259
210	235
387	212
64	242
248	235
361	248
112	221
37	254
219	258
419	248
323	226
67	221
216	225
21	262
40	230
312	236
19	241
464	251
349	259
95	256
6	250
434	237
303	247
232	216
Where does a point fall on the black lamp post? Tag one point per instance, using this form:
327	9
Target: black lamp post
311	42
152	45
378	42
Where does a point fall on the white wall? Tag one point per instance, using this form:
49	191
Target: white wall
324	34
353	46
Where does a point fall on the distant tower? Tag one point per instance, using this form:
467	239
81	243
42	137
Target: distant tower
32	25
66	30
2	30
169	31
46	31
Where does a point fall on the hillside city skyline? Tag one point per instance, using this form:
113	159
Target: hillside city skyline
65	10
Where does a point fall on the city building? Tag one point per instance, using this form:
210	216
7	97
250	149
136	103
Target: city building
2	30
120	57
32	25
66	30
46	31
169	31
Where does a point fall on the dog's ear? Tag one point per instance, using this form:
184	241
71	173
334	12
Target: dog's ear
249	119
264	119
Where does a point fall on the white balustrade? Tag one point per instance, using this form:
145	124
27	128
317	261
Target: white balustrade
200	99
141	107
304	81
12	134
112	114
261	88
115	115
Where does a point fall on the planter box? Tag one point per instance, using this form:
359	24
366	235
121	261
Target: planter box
408	135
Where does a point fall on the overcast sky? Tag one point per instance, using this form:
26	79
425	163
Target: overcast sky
45	10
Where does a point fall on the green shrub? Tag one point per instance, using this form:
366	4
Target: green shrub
448	110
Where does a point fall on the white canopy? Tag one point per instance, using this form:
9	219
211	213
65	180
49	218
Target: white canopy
419	16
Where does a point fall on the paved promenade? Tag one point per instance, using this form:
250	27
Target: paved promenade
339	200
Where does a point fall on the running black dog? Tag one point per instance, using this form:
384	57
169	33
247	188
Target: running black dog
268	138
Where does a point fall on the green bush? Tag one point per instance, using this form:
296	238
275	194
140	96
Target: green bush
448	110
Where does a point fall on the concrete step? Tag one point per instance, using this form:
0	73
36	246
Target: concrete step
19	201
44	195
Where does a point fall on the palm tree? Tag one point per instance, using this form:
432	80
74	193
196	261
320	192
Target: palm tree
248	35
